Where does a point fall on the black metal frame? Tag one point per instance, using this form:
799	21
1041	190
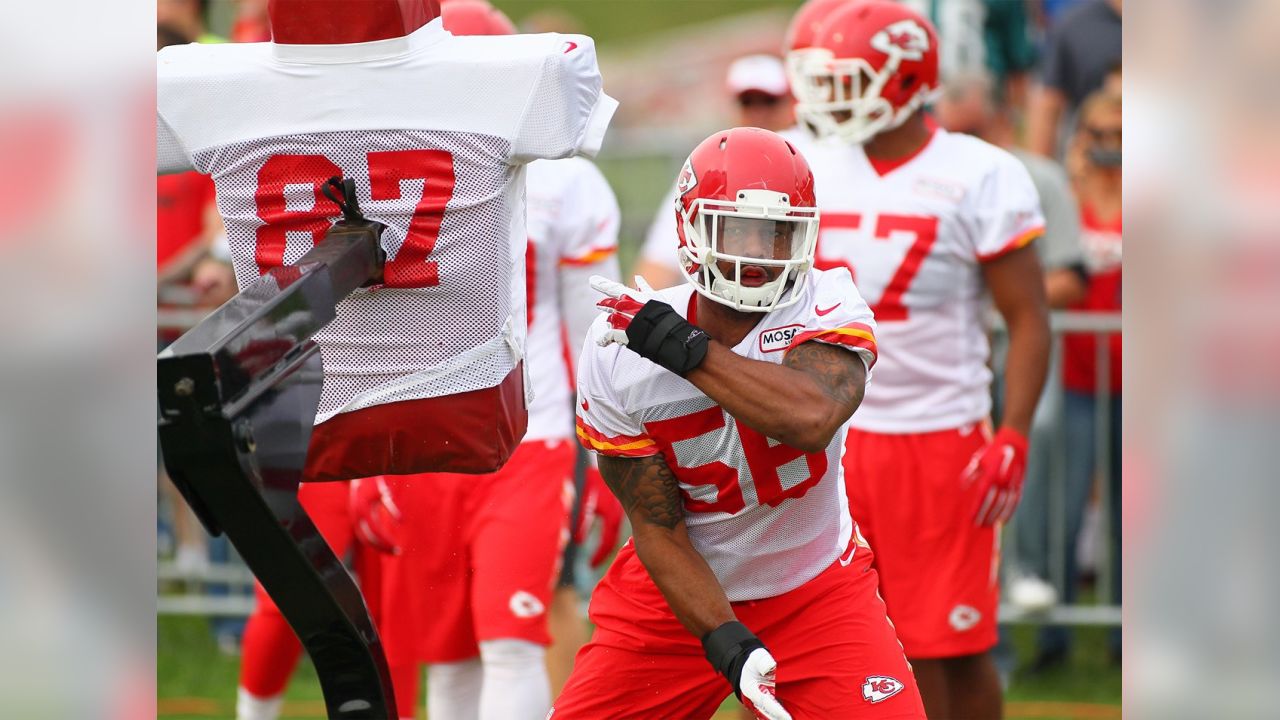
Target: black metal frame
238	396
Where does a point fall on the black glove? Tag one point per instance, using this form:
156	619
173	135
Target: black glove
727	648
659	334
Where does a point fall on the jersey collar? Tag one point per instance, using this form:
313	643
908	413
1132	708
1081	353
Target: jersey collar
884	167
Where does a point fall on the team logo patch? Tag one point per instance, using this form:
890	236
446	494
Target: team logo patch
775	339
963	617
942	189
525	605
687	179
880	687
905	38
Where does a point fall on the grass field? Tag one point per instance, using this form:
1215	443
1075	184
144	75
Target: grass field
196	680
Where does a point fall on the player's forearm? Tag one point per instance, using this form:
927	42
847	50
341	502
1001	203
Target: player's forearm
775	400
1026	366
684	578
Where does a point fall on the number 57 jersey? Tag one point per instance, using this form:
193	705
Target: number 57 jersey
435	130
915	236
766	517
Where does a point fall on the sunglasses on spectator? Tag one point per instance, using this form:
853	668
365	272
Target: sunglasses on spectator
754	99
1098	134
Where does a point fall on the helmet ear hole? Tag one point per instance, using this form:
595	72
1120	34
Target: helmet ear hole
908	81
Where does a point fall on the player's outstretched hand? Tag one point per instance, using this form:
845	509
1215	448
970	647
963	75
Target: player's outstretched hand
376	517
621	303
759	686
998	470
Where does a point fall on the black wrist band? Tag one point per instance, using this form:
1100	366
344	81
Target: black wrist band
658	333
727	648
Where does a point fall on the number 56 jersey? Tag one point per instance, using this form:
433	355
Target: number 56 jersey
435	130
766	517
915	234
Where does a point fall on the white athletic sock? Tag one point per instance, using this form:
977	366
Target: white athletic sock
252	707
515	681
453	690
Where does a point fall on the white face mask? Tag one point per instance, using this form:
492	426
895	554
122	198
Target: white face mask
752	254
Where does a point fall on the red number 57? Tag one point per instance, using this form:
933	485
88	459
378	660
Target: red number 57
410	267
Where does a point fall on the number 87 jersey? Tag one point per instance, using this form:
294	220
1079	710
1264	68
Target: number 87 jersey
914	234
435	130
767	517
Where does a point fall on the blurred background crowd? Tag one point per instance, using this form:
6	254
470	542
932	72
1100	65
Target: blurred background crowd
1041	78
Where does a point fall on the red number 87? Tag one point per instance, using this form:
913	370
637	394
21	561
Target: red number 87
410	267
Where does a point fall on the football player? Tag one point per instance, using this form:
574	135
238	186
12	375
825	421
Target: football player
718	410
470	589
931	224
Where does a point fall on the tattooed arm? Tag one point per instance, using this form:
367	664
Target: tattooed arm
802	402
651	497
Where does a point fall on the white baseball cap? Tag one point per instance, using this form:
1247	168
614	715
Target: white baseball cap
761	73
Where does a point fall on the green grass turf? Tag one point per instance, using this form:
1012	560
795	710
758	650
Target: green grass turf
190	666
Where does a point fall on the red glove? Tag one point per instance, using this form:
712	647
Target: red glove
598	502
621	303
998	469
376	517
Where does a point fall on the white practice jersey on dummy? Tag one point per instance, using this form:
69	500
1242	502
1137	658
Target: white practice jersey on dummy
435	130
661	241
573	234
767	517
914	240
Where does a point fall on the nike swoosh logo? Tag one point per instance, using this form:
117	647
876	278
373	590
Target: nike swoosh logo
822	312
585	407
853	548
570	46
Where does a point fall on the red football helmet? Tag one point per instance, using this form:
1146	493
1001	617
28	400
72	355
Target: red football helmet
746	219
873	64
474	17
803	31
336	22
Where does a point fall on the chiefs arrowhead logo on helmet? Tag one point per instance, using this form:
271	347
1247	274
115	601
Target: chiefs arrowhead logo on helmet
905	38
687	179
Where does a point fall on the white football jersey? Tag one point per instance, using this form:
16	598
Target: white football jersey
661	241
914	239
435	130
573	234
767	517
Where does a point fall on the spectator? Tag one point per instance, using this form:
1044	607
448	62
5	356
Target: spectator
762	98
1096	145
983	35
1083	49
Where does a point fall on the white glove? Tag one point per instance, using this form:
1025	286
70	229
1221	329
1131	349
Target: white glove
759	686
621	303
